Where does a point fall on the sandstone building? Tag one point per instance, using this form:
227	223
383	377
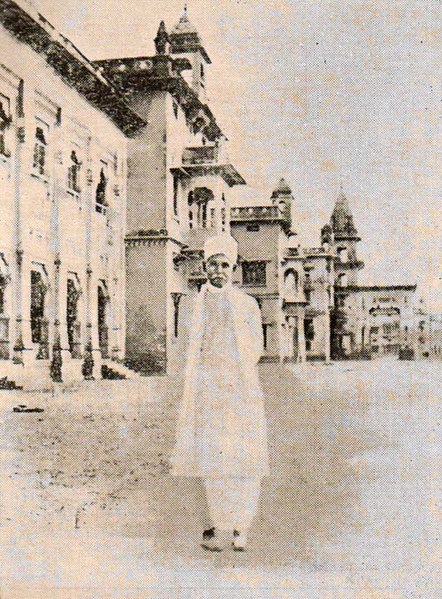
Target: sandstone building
63	171
113	174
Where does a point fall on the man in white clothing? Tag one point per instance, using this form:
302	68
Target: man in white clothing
221	432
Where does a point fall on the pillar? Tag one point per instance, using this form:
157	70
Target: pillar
301	340
90	368
18	347
59	345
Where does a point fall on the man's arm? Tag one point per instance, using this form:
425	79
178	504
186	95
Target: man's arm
254	321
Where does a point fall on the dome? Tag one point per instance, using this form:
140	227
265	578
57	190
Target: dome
283	188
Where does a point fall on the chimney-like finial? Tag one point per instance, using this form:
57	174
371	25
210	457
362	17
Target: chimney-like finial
162	40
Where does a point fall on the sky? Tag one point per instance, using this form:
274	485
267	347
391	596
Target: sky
323	93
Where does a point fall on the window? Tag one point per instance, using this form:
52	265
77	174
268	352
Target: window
309	329
291	280
203	214
223	218
253	228
202	72
190	219
212	217
175	109
254	273
100	193
343	254
40	148
390	329
5	121
37	308
74	173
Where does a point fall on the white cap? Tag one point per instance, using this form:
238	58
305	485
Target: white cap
222	244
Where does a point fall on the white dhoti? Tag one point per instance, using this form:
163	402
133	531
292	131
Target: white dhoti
233	502
221	432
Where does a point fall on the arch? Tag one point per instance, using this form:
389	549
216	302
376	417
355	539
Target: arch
291	280
343	254
342	280
202	196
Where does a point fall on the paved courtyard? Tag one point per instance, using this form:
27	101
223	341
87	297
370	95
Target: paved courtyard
351	511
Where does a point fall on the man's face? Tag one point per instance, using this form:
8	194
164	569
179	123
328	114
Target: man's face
219	270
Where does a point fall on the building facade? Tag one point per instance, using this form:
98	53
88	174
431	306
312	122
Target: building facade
63	143
113	175
179	179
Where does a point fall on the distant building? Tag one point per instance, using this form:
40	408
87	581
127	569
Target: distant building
313	307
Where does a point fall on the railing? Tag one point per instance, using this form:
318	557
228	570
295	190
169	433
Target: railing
200	155
252	212
4	337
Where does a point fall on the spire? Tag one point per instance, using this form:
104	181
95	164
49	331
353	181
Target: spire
184	25
162	41
185	39
341	220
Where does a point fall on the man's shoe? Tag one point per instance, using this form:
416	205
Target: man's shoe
239	541
211	541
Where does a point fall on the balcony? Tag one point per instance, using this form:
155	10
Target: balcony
201	161
256	213
294	297
201	155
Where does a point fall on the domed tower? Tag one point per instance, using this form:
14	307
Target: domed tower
186	43
282	197
345	239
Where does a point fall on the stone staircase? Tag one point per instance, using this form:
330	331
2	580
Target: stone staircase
35	376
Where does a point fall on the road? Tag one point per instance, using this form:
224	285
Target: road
351	510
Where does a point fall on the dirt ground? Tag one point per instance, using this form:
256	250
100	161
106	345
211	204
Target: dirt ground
351	510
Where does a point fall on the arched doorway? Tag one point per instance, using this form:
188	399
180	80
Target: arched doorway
73	323
38	318
103	329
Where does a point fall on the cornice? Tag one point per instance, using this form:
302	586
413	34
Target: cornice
70	64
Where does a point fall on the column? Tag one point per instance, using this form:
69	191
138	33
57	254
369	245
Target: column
17	267
301	340
327	333
58	346
89	366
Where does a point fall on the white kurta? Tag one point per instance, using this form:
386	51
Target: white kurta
221	428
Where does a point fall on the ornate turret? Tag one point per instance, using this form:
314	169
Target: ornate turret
341	221
326	235
186	43
343	235
282	197
162	40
